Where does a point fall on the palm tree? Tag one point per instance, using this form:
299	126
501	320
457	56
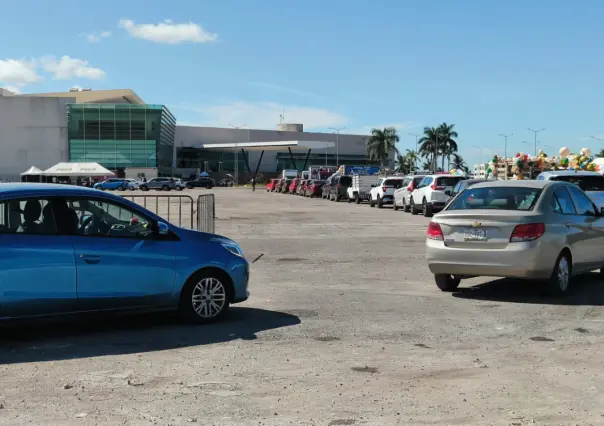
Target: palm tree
406	163
459	163
428	144
600	154
381	143
412	158
446	142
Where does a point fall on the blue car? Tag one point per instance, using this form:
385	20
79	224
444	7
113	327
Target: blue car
68	249
112	184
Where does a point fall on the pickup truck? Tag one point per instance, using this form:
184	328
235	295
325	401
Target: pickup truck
360	188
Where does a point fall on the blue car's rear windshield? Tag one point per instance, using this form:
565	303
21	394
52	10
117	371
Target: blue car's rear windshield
496	198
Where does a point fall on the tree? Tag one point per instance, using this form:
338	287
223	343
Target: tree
406	163
381	143
600	154
428	144
459	163
446	142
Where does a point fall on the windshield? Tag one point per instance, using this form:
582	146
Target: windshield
586	183
496	198
392	182
346	180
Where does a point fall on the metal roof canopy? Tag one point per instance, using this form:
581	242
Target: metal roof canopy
271	146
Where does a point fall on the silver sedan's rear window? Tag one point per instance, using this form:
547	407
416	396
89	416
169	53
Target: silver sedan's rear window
496	198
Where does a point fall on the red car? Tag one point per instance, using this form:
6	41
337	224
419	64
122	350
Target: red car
270	186
315	189
293	186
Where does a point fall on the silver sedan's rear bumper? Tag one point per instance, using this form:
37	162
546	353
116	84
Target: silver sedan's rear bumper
526	260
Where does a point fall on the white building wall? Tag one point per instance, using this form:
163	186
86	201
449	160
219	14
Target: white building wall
193	136
33	132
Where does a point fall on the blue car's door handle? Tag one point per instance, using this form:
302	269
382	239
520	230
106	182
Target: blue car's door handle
90	258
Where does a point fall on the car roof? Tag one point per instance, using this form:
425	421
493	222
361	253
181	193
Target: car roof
47	189
474	180
570	173
516	183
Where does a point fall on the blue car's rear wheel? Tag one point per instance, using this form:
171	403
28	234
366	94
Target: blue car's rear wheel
206	297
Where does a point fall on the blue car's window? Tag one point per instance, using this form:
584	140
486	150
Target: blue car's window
27	216
100	218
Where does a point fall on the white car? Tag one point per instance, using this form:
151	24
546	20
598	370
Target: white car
383	191
592	183
432	193
403	194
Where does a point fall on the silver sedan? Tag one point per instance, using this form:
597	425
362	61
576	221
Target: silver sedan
541	230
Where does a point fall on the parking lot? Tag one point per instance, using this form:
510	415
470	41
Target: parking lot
344	326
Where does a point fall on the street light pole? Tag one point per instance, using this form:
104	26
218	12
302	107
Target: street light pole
535	132
337	143
505	144
416	147
237	153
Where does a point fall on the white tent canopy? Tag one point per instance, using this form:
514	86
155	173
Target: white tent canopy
32	171
77	169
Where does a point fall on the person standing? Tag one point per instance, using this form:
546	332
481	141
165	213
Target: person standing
253	185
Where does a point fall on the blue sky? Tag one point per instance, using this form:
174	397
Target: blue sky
489	67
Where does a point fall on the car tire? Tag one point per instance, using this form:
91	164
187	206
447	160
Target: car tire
350	200
144	188
194	305
380	203
210	186
121	188
405	206
371	202
165	188
357	199
426	209
446	282
394	206
178	188
191	187
412	207
559	282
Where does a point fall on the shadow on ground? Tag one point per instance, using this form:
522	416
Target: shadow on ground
585	290
130	334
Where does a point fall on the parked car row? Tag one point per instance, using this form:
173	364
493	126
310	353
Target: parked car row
304	187
158	184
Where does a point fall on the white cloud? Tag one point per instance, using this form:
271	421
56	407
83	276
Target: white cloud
401	127
168	32
282	89
264	115
66	68
97	37
18	72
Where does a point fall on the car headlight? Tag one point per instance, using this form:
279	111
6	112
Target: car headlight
233	248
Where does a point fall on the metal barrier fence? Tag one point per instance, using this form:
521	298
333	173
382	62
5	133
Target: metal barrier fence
176	209
181	210
206	213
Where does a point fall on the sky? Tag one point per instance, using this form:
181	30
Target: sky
489	67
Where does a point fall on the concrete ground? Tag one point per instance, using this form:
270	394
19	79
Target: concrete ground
344	327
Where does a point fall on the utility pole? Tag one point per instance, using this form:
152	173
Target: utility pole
337	143
505	143
237	153
416	148
535	132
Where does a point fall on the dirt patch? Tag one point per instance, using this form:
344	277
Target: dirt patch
290	259
341	422
326	338
542	339
303	313
365	369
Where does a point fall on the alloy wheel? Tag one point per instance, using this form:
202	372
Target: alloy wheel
208	297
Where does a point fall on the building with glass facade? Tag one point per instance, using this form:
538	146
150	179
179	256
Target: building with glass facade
122	135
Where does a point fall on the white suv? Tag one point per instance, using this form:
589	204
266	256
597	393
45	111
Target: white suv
432	193
383	191
402	195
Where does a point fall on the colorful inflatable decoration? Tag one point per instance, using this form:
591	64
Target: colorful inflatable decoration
456	172
493	169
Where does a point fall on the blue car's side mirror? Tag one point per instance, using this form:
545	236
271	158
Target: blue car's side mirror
162	228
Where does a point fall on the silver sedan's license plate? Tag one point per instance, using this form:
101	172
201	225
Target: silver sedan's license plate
475	234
